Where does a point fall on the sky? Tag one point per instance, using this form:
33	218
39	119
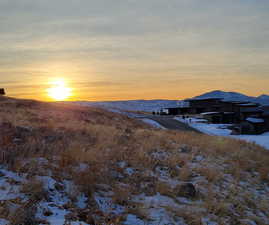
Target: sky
134	49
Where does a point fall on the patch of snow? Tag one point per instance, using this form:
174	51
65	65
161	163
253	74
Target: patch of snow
58	214
262	140
210	129
155	207
130	171
255	120
9	191
105	203
152	123
133	220
222	130
209	113
207	221
4	222
78	223
82	201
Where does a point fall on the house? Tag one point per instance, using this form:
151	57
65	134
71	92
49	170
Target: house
170	111
252	125
2	91
230	106
212	117
198	106
265	117
219	117
244	113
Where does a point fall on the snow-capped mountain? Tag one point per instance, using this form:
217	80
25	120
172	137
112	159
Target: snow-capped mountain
156	105
235	96
263	99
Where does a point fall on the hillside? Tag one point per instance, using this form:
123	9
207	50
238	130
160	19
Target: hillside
69	164
235	96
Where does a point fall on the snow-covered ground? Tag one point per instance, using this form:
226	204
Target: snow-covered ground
152	123
222	130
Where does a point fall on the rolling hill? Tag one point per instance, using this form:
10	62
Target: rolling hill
235	96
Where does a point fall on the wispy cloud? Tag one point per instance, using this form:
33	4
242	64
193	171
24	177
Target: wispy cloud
116	43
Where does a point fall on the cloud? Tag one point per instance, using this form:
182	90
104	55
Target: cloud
130	40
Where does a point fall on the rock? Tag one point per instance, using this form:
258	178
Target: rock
187	190
185	149
59	187
47	212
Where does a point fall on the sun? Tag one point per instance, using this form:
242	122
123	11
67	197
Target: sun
59	90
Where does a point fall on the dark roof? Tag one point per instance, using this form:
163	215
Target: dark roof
235	102
172	108
266	113
248	104
254	110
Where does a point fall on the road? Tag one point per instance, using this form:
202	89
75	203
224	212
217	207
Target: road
170	123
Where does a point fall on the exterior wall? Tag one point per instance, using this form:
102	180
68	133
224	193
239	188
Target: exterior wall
214	118
173	111
266	120
252	128
204	103
247	128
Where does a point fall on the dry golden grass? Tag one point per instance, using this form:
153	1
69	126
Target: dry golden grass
68	135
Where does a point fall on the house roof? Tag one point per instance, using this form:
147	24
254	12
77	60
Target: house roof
209	113
251	110
255	120
249	104
234	102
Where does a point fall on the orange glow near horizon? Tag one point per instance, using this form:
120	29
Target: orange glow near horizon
59	91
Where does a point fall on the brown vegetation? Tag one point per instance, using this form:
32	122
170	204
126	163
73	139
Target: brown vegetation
69	135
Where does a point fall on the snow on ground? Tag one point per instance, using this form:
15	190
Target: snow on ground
222	130
11	186
3	222
152	123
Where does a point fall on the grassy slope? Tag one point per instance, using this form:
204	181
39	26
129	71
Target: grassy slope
140	171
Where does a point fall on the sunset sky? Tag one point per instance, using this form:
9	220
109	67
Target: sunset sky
133	49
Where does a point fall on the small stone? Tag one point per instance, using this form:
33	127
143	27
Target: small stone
187	190
185	149
47	213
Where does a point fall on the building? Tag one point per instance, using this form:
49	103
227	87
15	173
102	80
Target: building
252	125
265	117
219	117
250	118
198	106
170	111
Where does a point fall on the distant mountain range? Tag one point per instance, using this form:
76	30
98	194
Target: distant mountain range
235	96
156	105
135	105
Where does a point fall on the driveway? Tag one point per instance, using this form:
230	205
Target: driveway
170	123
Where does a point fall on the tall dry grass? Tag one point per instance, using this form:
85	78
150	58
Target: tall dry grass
68	135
